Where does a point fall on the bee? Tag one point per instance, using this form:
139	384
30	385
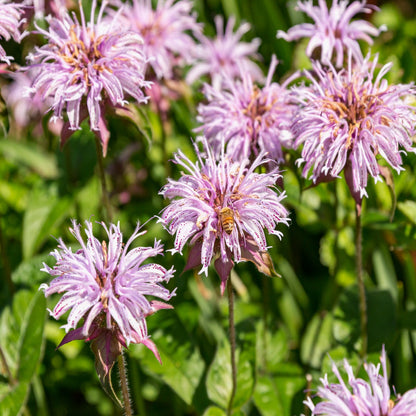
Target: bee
226	216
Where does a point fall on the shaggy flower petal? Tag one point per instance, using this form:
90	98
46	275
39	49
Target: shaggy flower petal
348	119
10	20
250	119
221	208
166	32
332	30
360	397
106	286
224	55
86	66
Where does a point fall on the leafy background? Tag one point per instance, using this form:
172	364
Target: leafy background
288	329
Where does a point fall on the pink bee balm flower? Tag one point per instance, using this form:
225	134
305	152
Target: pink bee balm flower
349	119
222	207
106	285
332	30
248	118
166	32
360	397
225	55
86	67
10	20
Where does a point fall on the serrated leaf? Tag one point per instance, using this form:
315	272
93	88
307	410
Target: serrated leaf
30	342
46	210
32	156
182	365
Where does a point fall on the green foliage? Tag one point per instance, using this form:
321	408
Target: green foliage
289	329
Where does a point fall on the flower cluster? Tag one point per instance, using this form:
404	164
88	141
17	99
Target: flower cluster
222	207
248	118
347	119
362	397
105	285
86	66
333	32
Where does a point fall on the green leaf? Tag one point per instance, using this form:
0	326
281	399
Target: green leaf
271	348
24	153
46	211
182	365
28	272
381	313
384	270
281	393
30	343
219	378
214	411
408	208
317	339
12	403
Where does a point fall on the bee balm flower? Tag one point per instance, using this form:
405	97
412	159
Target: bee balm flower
85	67
166	32
10	20
349	119
333	31
222	207
250	119
106	285
225	54
360	397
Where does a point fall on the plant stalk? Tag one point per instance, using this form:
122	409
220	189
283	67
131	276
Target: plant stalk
360	280
106	199
124	385
232	345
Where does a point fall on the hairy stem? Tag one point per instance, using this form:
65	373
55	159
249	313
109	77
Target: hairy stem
106	199
360	279
232	345
124	385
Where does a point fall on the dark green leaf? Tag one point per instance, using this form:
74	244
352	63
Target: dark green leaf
219	380
182	365
30	343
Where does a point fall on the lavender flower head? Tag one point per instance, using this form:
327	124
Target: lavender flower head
222	207
10	20
86	66
225	54
349	119
361	397
166	32
250	119
333	31
105	285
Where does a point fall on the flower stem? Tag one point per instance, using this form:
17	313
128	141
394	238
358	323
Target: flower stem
124	384
360	279
100	161
232	345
